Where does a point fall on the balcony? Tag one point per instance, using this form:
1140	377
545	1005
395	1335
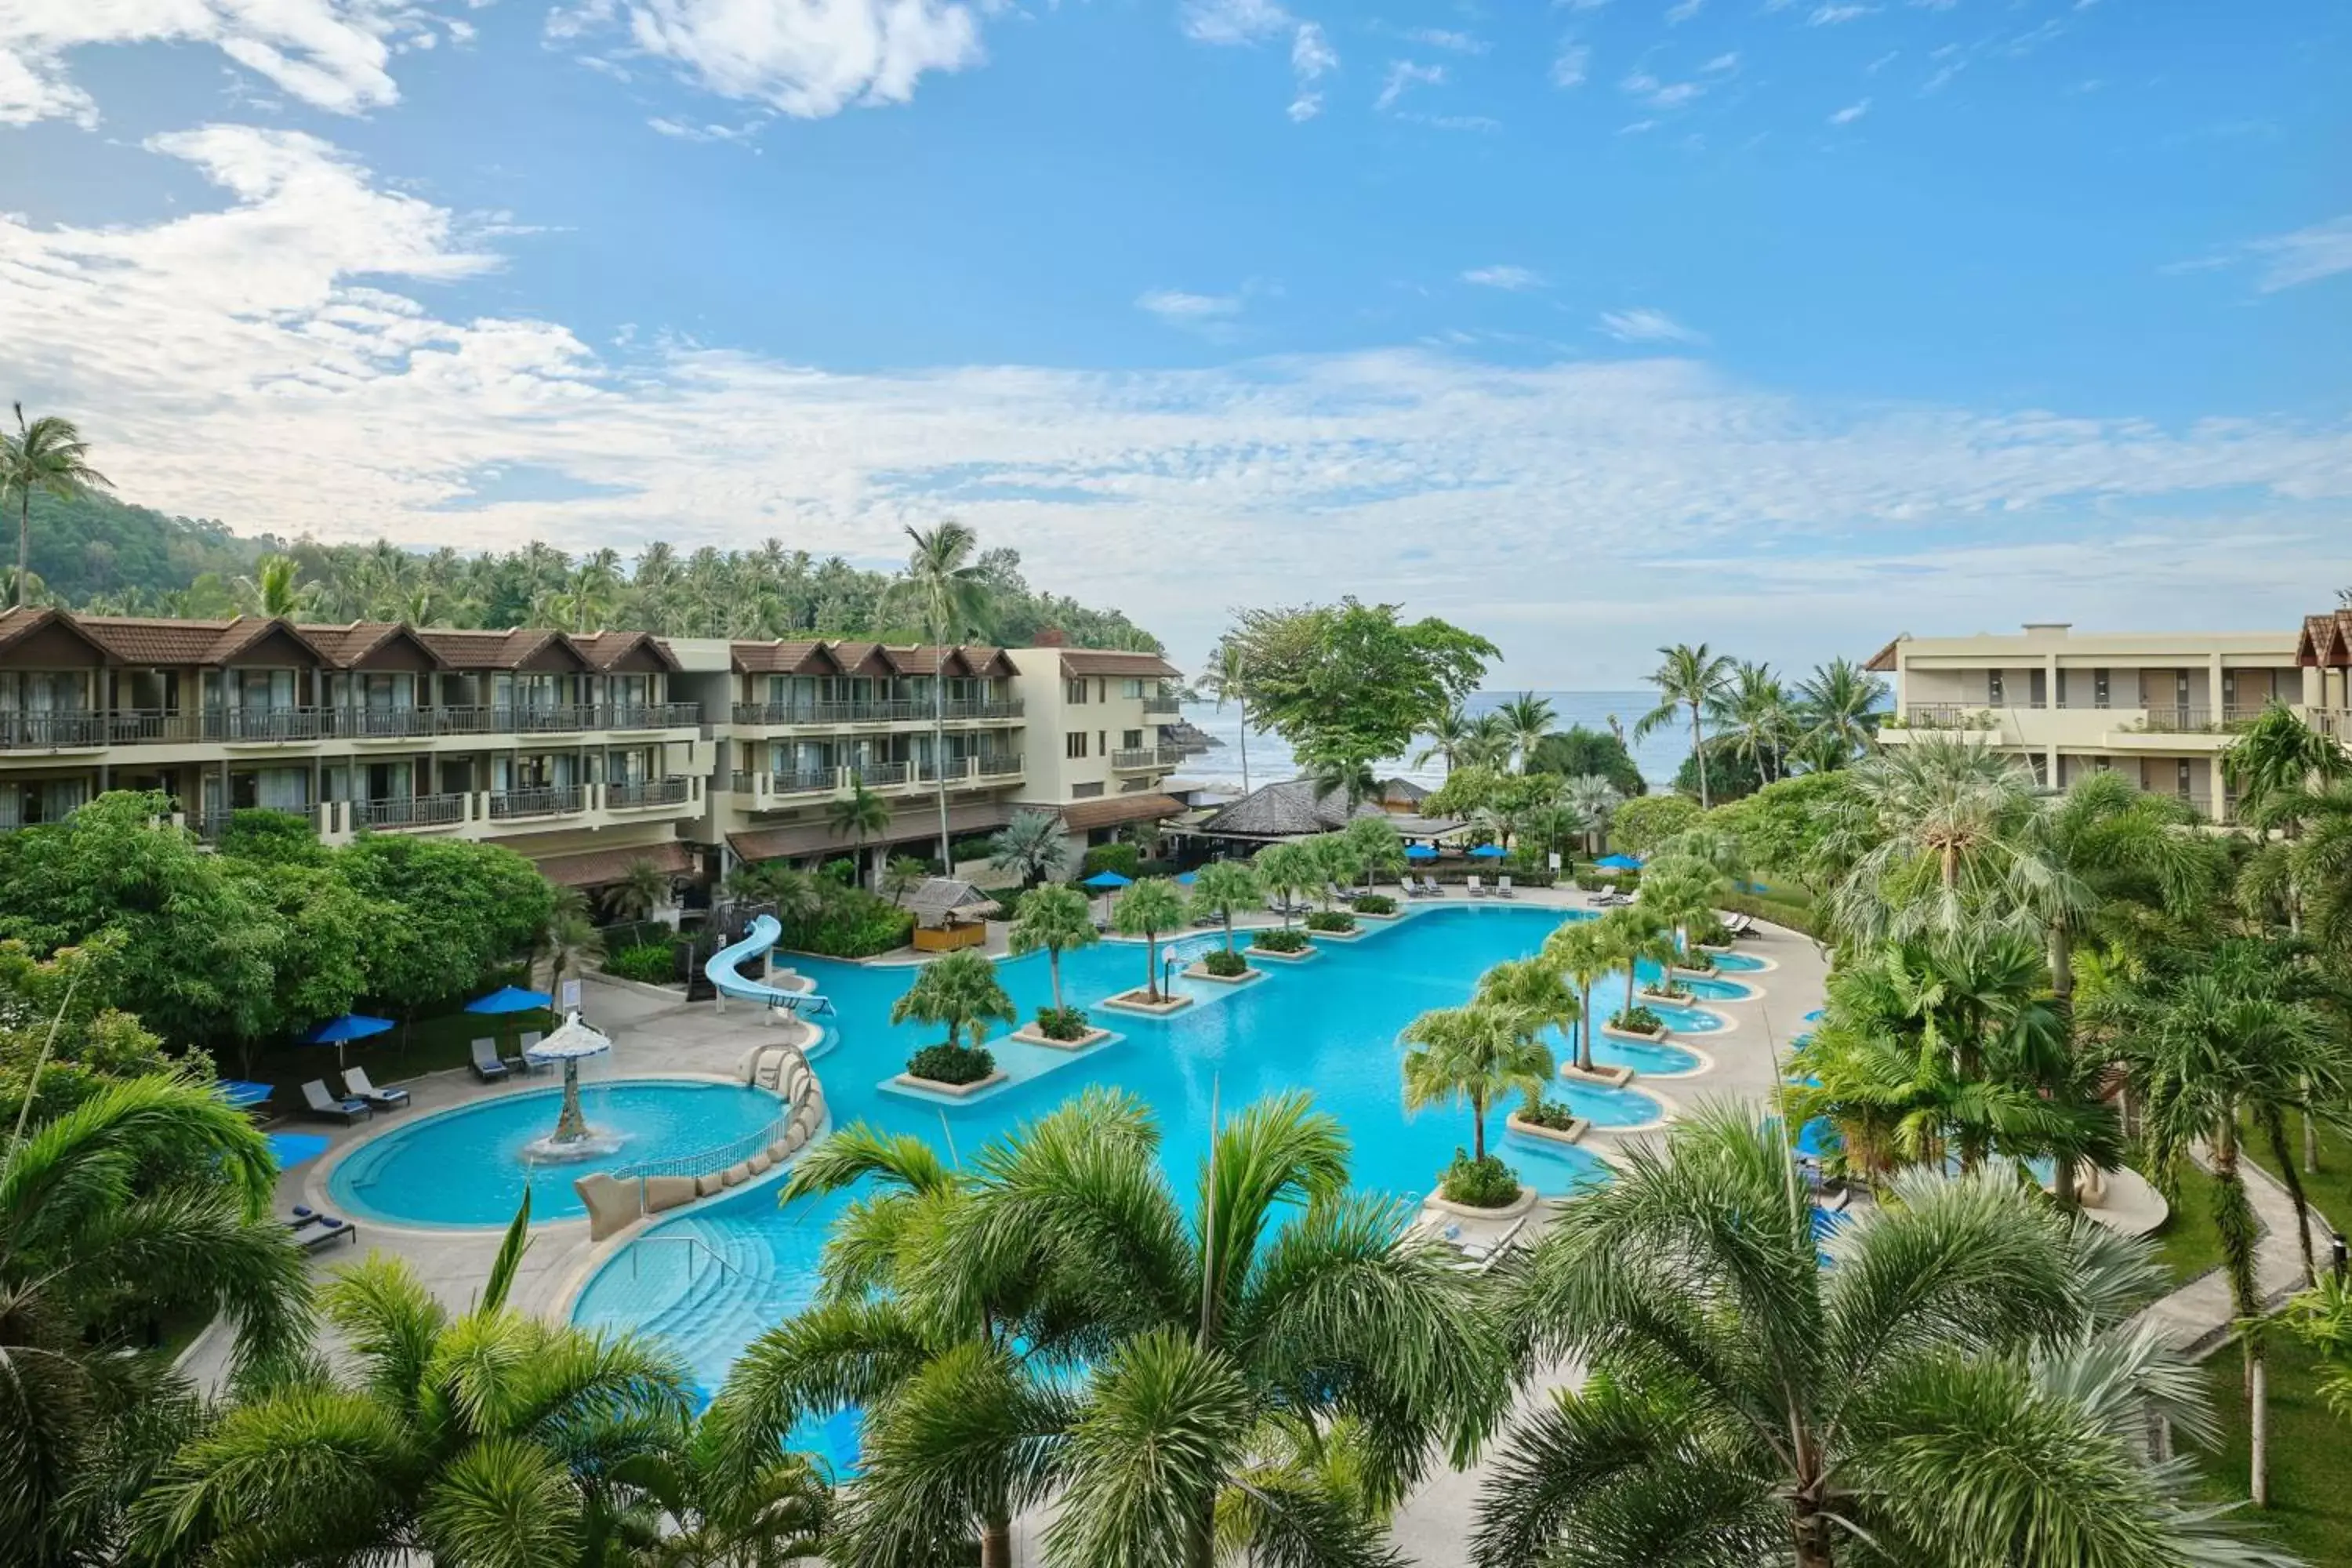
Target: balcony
2191	721
650	716
626	796
827	714
1162	704
1144	757
999	767
83	728
1945	716
546	800
877	775
971	708
408	811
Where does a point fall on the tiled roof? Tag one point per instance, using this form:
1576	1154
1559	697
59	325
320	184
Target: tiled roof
1291	809
136	639
856	658
346	645
494	649
1083	816
1109	661
20	622
598	867
2326	639
606	649
784	658
986	660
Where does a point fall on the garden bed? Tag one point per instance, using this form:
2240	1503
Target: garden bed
1648	1036
1512	1210
1141	1002
1568	1134
953	1090
1299	957
1030	1034
1197	972
1608	1078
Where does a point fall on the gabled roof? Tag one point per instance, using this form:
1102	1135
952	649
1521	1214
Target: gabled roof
924	659
2326	640
1111	661
136	639
501	649
785	656
24	621
1883	662
349	645
608	649
987	661
861	659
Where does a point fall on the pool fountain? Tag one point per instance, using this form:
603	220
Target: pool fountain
573	1140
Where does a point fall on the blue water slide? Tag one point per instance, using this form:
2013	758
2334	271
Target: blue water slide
728	980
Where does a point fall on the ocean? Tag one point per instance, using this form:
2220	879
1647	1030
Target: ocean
1270	758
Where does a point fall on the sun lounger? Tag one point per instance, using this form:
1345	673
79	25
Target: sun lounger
1503	888
1413	889
1435	889
487	1066
1478	1256
323	1230
1477	888
327	1108
356	1084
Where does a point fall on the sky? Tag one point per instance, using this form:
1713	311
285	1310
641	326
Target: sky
1788	325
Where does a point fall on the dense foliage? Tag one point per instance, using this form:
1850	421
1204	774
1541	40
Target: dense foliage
1279	939
952	1064
1337	923
1224	964
1641	826
847	922
1064	1024
1350	682
653	962
1484	1182
1373	904
1579	751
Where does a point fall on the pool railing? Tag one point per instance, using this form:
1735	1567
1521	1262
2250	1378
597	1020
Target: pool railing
718	1157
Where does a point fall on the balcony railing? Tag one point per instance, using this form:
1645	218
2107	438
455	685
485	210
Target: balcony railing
1947	716
825	713
646	791
874	775
984	708
2176	719
547	800
409	811
806	780
1135	757
1000	766
24	731
1161	705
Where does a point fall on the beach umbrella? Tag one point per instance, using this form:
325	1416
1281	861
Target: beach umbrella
1490	852
571	1043
1103	881
1420	852
511	999
1617	863
350	1027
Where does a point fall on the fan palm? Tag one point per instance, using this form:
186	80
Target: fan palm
490	1438
1529	719
1837	709
1448	734
1221	888
949	593
1150	907
1054	920
1034	845
959	990
1960	1385
1938	833
1227	678
151	1196
47	455
858	817
1690	678
1584	951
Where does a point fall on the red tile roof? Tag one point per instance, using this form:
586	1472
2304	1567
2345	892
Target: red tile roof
597	866
1109	661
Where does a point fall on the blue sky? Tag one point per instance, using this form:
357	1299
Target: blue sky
1787	325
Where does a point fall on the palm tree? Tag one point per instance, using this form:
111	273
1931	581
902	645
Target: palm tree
2310	872
1936	833
50	456
1838	707
1055	919
1583	951
858	816
900	873
1538	997
1151	906
1337	863
1487	743
2120	852
490	1438
949	593
1034	845
1377	847
1690	678
1474	1055
1529	719
1285	870
644	887
959	990
569	939
1596	800
149	1197
2277	754
1228	677
1350	778
1963	1378
275	589
1636	936
1681	890
1754	716
1448	734
710	1511
1222	887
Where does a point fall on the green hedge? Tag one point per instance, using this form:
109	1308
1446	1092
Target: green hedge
655	963
1334	921
1485	1184
944	1063
1123	859
1280	939
1227	965
1802	917
1063	1024
854	923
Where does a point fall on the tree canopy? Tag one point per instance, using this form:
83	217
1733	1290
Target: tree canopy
1353	681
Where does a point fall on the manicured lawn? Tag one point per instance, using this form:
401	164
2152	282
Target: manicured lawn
430	1045
2310	1455
2186	1239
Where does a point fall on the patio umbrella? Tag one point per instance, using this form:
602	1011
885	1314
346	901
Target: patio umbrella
293	1148
1490	852
1186	879
1420	852
350	1027
1617	863
511	999
1103	881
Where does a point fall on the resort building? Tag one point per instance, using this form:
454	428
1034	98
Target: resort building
587	753
2160	707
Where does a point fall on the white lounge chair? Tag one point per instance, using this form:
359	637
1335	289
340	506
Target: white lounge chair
1436	889
1503	888
356	1084
522	1046
1478	1256
1477	888
487	1066
327	1108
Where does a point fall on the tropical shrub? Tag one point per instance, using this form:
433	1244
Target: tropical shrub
1338	921
1804	919
1063	1024
1123	859
1666	985
1224	964
1610	881
944	1063
850	922
842	872
1640	825
1485	1182
1548	1113
1374	904
1637	1019
651	961
1280	939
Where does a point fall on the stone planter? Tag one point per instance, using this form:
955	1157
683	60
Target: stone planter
1140	1001
1649	1036
1687	973
953	1090
1303	954
1333	935
1368	915
1243	978
1664	998
1568	1134
1512	1210
1028	1036
1606	1077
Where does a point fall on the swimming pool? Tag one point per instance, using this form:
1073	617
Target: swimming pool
1738	963
708	1280
464	1167
1660	1057
1606	1107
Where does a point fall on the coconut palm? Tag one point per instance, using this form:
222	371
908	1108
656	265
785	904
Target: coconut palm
1960	1383
1584	951
1539	999
1691	678
900	875
2310	872
1636	935
1753	717
858	817
1150	907
569	939
1350	778
1054	920
2120	854
1837	712
1938	833
959	990
1529	718
2277	754
149	1197
491	1437
1284	871
275	589
1487	743
1222	886
1448	734
1034	845
644	887
948	591
1227	678
1472	1055
1377	847
47	455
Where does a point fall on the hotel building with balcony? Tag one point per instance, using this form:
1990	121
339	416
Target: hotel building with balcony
2158	707
586	753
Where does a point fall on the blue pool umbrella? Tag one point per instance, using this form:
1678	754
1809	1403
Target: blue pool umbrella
1186	879
1105	881
1490	852
1420	852
511	999
350	1027
243	1094
1618	863
293	1148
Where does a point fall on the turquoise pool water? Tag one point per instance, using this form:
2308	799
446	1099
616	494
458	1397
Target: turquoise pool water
708	1280
1606	1107
465	1166
1641	1056
1738	963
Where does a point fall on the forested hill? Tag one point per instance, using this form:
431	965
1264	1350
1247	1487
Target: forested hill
98	554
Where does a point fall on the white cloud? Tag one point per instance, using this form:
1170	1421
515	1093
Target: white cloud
1568	66
1446	40
331	54
1404	74
1312	58
1504	277
683	131
806	58
1175	305
2305	256
272	360
1232	21
1683	11
1834	14
1851	113
1723	64
1658	94
1646	326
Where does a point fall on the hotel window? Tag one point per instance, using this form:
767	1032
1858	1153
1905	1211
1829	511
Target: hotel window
2229	688
1994	696
1131	688
1074	744
1074	691
1085	791
2180	777
2038	684
1130	740
2098	689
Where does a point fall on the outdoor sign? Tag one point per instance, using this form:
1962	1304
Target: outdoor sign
1555	860
570	1002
